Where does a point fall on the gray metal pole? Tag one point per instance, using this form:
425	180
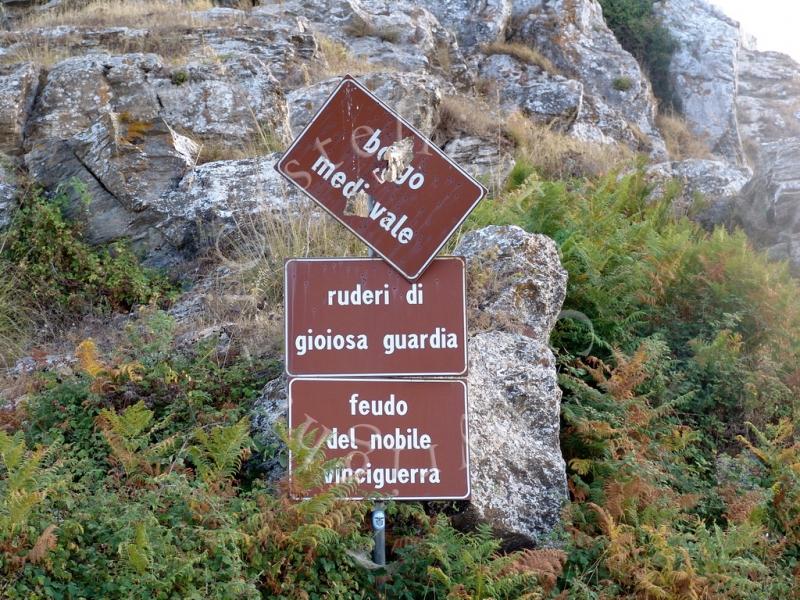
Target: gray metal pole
379	534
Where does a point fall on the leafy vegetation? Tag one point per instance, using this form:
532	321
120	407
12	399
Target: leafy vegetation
693	334
136	476
59	270
641	33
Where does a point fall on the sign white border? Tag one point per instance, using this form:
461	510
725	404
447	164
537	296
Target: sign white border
286	344
481	190
384	380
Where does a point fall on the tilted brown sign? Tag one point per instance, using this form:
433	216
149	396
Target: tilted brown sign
381	178
352	317
406	439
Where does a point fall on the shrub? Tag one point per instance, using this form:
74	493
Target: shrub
62	273
622	84
641	33
692	334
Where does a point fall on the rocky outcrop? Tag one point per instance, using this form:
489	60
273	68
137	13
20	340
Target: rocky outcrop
573	34
18	87
768	99
518	281
476	22
704	72
485	159
518	473
397	34
112	122
769	209
222	196
414	96
709	188
545	98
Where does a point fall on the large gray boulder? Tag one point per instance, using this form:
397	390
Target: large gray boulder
516	278
518	474
769	209
517	288
704	71
574	36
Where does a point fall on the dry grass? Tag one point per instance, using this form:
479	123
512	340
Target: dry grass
465	114
263	141
682	142
249	292
524	53
160	14
338	61
551	153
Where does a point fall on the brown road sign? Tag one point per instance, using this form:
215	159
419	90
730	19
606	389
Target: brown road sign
351	317
406	439
403	199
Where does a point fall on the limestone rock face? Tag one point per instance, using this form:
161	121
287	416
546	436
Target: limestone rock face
18	86
235	101
483	158
518	474
112	122
719	183
704	71
416	97
769	209
768	99
476	22
225	194
546	98
526	283
399	34
573	34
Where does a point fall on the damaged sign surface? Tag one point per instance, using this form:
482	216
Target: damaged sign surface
380	178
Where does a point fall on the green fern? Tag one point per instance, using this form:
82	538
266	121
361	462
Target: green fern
128	434
218	455
24	483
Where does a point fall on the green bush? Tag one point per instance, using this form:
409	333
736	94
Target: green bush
61	273
641	33
691	335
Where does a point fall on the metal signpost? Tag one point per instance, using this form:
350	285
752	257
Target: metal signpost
364	336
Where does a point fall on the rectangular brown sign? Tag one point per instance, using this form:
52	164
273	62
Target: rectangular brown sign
381	178
351	317
406	439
